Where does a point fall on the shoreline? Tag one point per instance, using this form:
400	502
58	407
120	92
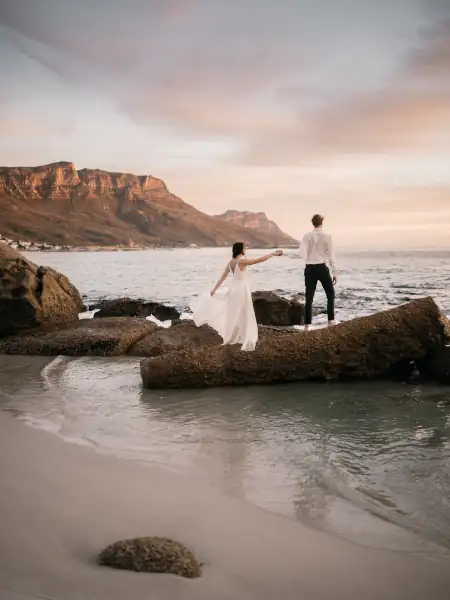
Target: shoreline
48	248
62	503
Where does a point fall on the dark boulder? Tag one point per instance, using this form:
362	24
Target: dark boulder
271	309
32	295
128	307
364	348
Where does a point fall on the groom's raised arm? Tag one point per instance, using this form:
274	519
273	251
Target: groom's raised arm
298	253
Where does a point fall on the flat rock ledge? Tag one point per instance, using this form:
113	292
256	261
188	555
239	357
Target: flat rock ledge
151	555
113	336
366	348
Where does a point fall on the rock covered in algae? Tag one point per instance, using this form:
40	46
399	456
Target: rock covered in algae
151	555
366	348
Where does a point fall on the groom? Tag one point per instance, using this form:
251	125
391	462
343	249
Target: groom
317	249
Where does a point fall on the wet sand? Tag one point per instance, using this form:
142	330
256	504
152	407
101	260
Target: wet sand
60	504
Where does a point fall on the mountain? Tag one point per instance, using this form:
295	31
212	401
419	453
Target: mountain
59	204
258	221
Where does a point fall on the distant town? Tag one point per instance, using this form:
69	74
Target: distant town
27	246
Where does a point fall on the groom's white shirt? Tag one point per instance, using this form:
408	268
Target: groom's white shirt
316	248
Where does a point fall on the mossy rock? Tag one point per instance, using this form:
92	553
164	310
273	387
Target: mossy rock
377	346
151	555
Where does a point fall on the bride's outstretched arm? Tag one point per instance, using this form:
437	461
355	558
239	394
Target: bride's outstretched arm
254	261
221	280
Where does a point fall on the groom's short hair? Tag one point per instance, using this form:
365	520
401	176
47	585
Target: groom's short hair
317	220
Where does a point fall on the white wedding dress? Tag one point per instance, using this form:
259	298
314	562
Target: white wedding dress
230	313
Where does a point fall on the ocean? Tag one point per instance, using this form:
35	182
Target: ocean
369	462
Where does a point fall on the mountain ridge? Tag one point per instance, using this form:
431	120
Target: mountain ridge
58	204
257	221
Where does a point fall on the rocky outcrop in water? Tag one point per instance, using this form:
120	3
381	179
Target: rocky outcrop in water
128	307
32	295
365	348
271	309
61	205
181	335
113	336
117	336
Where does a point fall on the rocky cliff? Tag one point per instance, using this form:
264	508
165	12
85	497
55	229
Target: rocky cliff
258	221
59	204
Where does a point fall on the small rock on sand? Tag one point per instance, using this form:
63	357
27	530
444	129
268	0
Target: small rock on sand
151	555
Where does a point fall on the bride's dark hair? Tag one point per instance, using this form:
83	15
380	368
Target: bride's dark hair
238	248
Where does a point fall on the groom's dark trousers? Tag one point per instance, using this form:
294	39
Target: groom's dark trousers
314	274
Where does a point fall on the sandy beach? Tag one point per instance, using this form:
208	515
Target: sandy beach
62	503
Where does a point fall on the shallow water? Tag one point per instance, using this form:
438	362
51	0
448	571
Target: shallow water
368	282
366	462
369	462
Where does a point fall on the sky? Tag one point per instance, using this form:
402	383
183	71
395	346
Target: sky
290	107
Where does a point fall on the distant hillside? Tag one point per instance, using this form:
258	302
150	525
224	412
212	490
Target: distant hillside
58	204
258	221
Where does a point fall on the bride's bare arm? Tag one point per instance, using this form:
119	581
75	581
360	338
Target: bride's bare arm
245	262
221	280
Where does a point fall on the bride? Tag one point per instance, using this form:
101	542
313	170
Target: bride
232	314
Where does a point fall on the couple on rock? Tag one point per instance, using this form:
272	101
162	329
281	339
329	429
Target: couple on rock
232	314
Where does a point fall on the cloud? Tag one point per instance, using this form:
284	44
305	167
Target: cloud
217	93
276	81
200	81
17	123
213	94
432	59
111	35
391	120
408	114
19	128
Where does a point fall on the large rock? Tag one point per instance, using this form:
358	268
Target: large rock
363	348
88	337
151	555
114	336
185	334
129	307
181	335
271	309
32	295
